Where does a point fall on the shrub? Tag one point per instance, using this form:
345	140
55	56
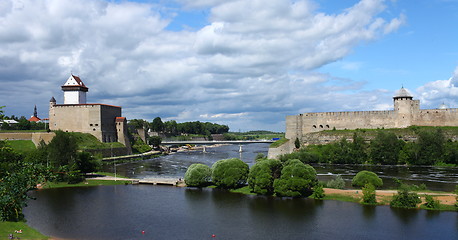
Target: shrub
369	196
364	177
197	175
431	203
337	183
229	173
318	192
262	175
405	199
297	180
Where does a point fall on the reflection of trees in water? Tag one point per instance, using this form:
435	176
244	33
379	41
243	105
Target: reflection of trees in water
405	215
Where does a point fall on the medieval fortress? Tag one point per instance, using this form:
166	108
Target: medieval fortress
406	113
103	121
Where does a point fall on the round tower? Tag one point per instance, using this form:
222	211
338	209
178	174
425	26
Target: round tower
405	108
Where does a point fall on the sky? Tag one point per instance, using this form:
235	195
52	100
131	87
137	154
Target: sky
244	63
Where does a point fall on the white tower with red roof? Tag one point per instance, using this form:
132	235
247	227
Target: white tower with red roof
74	91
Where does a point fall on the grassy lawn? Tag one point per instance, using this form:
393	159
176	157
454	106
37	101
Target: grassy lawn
7	228
87	183
243	190
22	146
88	141
278	143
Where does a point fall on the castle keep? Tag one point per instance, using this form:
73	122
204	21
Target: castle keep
103	121
406	113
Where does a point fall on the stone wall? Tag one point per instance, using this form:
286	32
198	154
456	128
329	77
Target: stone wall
35	137
287	147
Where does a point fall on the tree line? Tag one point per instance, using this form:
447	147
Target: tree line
173	128
430	148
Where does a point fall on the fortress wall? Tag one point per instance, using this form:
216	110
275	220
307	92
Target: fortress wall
108	124
314	122
437	117
287	147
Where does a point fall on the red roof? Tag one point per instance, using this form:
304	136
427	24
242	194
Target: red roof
78	80
120	119
34	119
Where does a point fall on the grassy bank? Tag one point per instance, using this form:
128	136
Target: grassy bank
22	146
7	228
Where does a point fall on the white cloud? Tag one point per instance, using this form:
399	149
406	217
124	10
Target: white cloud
434	93
254	63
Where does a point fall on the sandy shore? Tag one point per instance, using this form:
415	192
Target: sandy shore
444	198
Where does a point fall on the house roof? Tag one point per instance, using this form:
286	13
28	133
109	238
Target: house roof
74	81
120	119
34	119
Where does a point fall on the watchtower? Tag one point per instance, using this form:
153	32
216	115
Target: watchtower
74	91
405	108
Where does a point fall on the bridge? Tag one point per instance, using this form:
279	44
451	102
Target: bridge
215	142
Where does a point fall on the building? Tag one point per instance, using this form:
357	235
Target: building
34	117
103	121
406	113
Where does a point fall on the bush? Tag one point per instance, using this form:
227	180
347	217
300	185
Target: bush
318	192
431	203
369	196
229	173
297	180
364	177
405	199
337	183
197	175
262	175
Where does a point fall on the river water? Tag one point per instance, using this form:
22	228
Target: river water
123	212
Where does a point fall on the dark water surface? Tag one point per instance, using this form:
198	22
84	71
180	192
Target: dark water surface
123	212
175	165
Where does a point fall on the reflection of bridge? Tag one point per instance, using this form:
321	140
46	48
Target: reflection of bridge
215	142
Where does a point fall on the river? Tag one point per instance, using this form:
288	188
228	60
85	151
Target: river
123	212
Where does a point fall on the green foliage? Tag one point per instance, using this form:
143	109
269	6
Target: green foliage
297	180
431	146
431	203
278	143
155	141
139	146
369	194
198	175
297	143
405	199
62	150
157	125
385	147
303	155
259	157
229	173
337	183
87	163
262	175
364	177
318	192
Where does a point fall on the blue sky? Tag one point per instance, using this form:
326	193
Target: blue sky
244	63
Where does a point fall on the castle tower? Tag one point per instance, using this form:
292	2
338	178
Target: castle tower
74	91
405	108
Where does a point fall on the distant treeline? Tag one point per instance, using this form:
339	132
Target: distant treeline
23	124
174	129
430	148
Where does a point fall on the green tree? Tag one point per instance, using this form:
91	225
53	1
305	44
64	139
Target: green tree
1	112
86	163
262	175
229	173
369	196
318	192
364	177
155	141
157	125
297	180
385	148
337	183
431	203
405	199
198	175
297	143
431	146
358	150
62	150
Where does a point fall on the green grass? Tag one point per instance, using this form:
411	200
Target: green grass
442	207
243	190
278	143
88	141
88	183
22	146
109	174
7	228
341	197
